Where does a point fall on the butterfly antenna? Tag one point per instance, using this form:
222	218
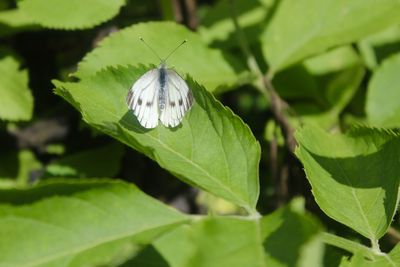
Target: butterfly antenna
176	48
152	50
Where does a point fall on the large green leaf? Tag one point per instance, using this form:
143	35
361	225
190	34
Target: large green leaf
16	101
70	14
77	224
212	149
209	67
218	241
231	242
383	105
217	25
304	248
355	177
296	32
103	161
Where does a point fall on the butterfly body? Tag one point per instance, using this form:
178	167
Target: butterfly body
160	94
162	79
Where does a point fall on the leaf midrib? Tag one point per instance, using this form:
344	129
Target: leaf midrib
194	164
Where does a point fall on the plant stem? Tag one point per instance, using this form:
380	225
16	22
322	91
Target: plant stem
264	85
348	245
394	235
191	8
375	246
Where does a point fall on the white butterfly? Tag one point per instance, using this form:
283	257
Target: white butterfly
160	94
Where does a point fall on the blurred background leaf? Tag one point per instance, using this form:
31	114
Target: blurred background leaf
290	37
70	14
292	223
210	67
16	101
103	161
383	105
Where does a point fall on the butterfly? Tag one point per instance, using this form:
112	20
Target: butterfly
160	94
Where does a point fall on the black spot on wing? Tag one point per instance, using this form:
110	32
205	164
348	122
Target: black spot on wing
149	104
140	101
172	103
180	101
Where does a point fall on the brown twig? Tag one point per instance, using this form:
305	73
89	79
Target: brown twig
393	235
282	188
191	11
278	105
273	159
176	7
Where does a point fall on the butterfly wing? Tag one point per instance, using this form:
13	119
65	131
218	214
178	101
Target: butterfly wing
178	99
142	98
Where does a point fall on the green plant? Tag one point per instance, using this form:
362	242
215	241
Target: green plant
315	80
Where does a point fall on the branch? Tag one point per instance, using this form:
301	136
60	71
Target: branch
278	105
191	10
393	235
176	7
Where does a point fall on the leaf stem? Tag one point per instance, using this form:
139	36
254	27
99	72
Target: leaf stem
375	246
349	245
264	84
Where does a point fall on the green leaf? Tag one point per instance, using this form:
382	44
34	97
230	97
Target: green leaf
383	260
217	25
16	101
383	105
209	67
77	224
296	82
18	167
12	21
103	161
213	241
305	248
290	37
347	244
377	47
70	14
354	177
337	90
334	60
212	149
231	242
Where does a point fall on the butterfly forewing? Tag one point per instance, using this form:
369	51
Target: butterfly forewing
142	98
178	99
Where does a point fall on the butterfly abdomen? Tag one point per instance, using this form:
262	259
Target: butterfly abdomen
162	79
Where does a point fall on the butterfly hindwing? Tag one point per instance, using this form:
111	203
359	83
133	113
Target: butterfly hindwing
178	99
143	99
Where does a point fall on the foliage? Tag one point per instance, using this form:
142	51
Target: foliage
16	101
383	109
81	181
210	67
71	14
